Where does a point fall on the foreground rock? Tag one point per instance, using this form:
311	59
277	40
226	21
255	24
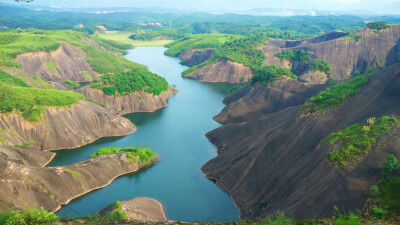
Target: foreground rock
193	58
68	127
135	102
274	162
51	187
140	209
223	71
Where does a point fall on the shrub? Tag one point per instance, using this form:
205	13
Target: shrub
374	192
379	25
334	96
390	166
320	65
117	204
144	155
352	219
31	217
133	81
268	74
356	142
294	55
390	192
72	84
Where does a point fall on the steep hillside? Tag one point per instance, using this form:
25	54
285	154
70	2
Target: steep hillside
277	162
345	53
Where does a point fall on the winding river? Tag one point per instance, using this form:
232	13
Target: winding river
176	133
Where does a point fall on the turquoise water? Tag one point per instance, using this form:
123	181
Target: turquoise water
176	133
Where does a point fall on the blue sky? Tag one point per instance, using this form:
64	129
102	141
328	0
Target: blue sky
378	6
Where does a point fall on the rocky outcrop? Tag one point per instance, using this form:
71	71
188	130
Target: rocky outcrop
275	162
66	63
135	102
140	209
260	100
345	54
193	58
314	77
51	187
222	71
68	127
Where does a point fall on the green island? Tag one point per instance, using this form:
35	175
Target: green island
17	95
125	83
145	156
355	141
334	96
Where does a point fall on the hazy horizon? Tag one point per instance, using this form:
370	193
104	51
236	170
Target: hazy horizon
381	7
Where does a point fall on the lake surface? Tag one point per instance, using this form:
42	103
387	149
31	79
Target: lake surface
176	133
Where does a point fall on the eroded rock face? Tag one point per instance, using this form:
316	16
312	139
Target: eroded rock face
259	100
372	49
193	58
222	71
51	187
275	162
66	127
66	63
135	102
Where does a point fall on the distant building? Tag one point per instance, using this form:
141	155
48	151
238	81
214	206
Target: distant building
101	28
81	26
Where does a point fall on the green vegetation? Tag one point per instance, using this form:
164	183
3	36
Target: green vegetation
294	55
330	80
390	166
7	79
87	75
111	45
268	74
52	67
36	80
334	96
150	35
72	84
355	141
98	103
28	217
379	25
243	50
135	154
133	81
352	219
13	43
29	143
200	41
75	173
320	65
235	88
356	37
2	140
390	191
194	68
31	101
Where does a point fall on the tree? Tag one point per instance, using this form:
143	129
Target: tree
390	166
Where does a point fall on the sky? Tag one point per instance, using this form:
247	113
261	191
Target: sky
377	6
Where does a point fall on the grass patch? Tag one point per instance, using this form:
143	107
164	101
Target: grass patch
52	67
356	141
87	75
320	65
6	78
72	84
356	37
334	96
268	74
98	103
294	55
135	154
2	140
351	219
28	217
29	143
73	172
31	101
133	81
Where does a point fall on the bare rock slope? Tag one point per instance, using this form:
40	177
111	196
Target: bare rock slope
66	127
274	162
